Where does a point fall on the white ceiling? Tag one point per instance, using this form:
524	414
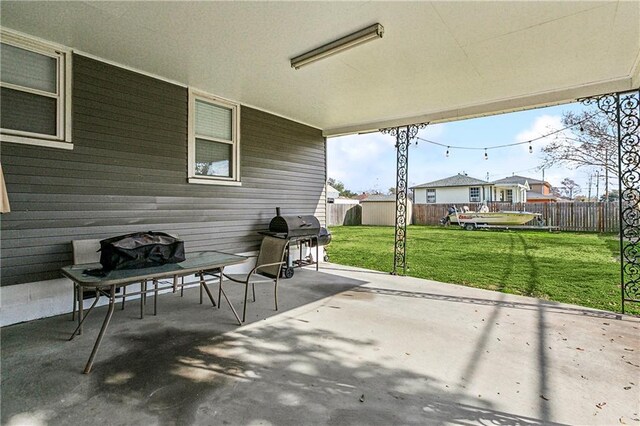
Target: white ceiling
437	60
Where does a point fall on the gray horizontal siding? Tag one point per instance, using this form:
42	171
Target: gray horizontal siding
128	172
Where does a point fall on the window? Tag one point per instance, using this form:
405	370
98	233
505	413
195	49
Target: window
431	195
35	84
214	140
474	194
509	195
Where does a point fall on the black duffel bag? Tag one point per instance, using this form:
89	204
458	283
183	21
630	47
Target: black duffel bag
140	250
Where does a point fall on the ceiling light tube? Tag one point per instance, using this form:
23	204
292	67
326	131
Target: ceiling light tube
364	35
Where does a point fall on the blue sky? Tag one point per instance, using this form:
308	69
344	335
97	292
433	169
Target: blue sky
364	162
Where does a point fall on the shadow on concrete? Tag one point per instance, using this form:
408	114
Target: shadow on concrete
550	306
192	365
272	375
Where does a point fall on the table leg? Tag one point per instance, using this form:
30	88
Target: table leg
155	297
317	255
81	307
201	292
222	292
206	288
220	289
142	289
75	301
124	295
103	329
78	330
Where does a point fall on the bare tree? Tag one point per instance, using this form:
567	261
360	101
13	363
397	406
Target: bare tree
591	141
570	187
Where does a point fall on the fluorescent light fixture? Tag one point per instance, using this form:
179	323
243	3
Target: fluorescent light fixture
347	42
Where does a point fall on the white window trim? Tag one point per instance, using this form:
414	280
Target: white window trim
63	56
235	137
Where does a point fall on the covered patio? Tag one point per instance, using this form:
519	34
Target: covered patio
348	346
116	152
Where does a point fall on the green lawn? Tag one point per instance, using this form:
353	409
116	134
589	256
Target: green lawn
577	268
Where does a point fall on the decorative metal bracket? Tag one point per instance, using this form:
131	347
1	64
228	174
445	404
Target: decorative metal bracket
623	110
403	136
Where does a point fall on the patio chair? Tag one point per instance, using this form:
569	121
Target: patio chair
267	270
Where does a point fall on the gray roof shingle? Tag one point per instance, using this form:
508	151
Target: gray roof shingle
518	179
455	180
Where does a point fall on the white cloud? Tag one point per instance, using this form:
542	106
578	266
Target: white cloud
542	125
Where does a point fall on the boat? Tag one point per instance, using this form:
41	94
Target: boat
485	217
493	218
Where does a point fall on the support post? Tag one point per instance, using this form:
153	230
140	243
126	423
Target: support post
623	111
403	136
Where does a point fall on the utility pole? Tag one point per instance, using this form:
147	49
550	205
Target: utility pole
590	183
598	185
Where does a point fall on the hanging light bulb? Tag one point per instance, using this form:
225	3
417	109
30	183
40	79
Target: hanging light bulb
486	156
530	149
447	153
581	128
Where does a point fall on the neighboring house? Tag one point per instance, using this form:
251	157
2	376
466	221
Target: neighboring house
332	193
333	197
457	189
381	210
463	189
509	192
539	191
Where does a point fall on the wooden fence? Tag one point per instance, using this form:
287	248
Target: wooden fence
344	214
587	217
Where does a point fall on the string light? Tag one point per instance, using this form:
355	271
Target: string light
509	144
486	156
447	153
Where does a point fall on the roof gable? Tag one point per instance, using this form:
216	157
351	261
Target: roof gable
455	180
520	180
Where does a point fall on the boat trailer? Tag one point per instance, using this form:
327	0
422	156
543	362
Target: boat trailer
471	225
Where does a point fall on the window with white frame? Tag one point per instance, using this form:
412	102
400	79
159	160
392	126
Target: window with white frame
214	140
35	83
474	194
509	195
431	195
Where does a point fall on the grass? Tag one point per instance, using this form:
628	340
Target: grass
577	268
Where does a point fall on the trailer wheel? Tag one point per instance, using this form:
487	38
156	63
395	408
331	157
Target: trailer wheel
288	272
470	226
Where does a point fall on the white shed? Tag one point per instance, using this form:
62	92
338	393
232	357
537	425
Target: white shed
381	210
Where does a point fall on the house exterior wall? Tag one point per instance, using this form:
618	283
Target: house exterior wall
452	195
541	188
382	212
128	172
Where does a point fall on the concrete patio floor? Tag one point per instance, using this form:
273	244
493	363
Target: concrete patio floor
348	346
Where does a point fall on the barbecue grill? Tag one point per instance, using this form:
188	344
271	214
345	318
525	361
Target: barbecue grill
304	231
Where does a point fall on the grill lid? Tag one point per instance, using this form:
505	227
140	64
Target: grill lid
295	226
